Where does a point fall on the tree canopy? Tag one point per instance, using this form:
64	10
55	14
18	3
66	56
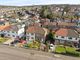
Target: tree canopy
50	37
46	12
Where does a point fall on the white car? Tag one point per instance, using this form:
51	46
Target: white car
52	47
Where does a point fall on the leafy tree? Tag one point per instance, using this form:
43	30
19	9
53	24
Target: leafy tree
50	16
65	9
45	12
5	15
20	14
50	37
77	15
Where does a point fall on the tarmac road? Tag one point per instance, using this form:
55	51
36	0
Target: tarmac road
12	53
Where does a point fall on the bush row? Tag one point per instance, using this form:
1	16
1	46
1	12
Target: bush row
75	53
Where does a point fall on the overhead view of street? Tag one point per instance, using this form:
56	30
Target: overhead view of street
39	29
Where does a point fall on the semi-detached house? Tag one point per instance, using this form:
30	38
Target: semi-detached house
12	31
64	34
35	33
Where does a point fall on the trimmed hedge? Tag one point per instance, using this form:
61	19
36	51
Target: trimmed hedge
68	51
75	53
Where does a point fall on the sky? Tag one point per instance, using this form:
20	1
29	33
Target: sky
37	2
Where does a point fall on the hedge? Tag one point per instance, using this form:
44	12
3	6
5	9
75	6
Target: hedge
68	51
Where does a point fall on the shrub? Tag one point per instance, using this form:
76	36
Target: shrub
73	53
34	44
60	49
68	51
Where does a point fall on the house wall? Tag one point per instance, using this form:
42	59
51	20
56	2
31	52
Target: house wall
1	31
39	37
21	32
78	24
12	34
30	37
66	38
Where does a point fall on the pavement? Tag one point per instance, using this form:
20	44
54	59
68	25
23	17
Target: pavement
15	53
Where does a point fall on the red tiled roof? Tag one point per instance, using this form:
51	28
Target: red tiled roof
67	32
36	24
8	27
62	32
60	23
50	23
35	29
4	27
66	24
